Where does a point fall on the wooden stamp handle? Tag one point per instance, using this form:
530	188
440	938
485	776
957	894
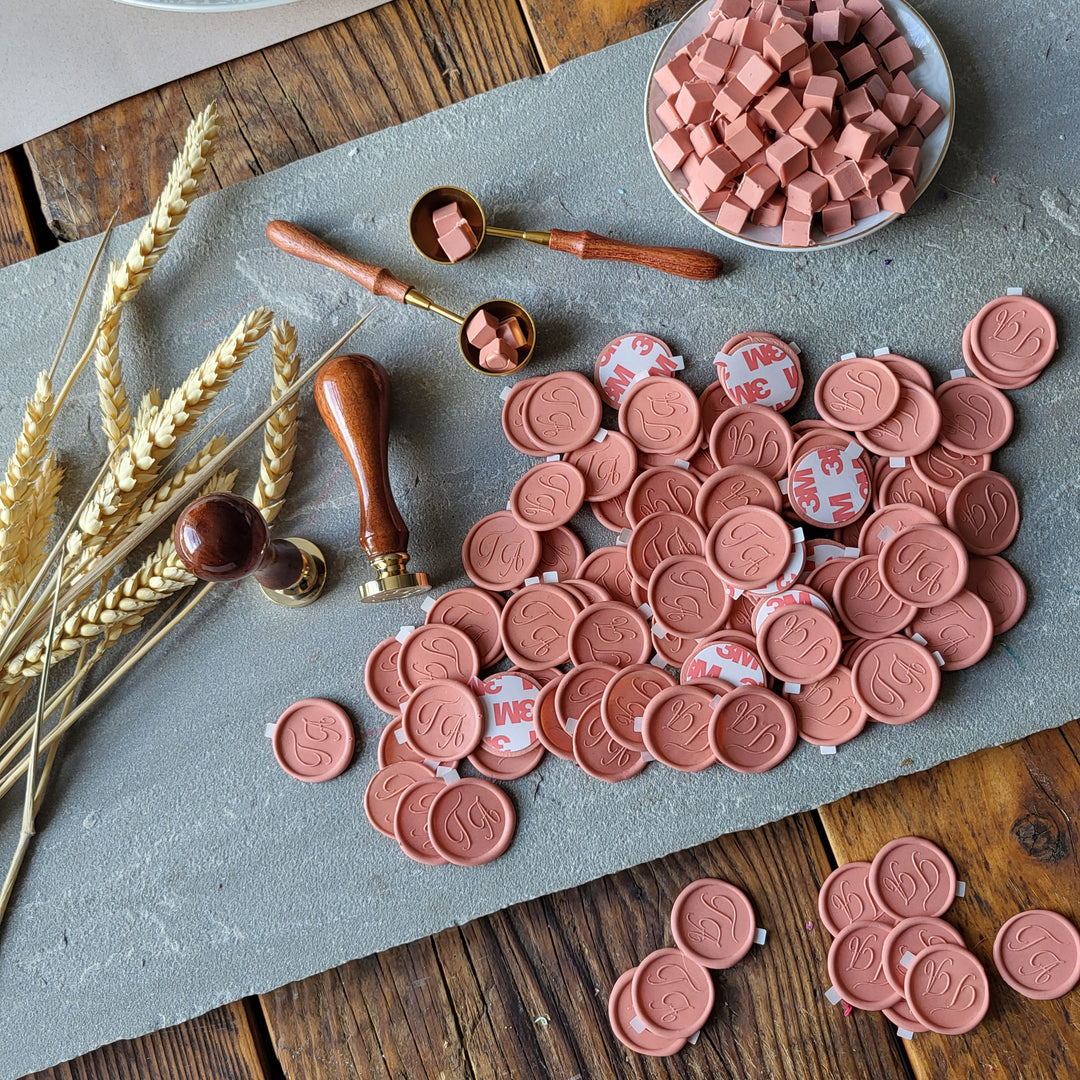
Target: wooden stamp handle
304	245
353	397
682	262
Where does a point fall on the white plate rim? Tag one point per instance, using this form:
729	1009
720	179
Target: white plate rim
856	232
204	7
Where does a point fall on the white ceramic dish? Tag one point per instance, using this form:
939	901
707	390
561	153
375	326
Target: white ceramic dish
931	73
205	7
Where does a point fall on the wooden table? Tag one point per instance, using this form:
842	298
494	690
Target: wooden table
523	993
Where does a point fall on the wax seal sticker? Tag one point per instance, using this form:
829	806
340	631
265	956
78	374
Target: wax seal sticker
442	720
923	565
799	643
823	579
507	699
942	468
625	698
636	1037
471	822
724	658
855	966
661	416
896	680
1014	336
610	633
598	754
912	876
845	898
411	821
393	748
665	488
771	604
561	553
984	511
549	728
561	412
713	401
499	552
386	788
381	676
829	486
609	568
752	730
857	394
476	612
733	487
579	688
912	936
904	367
549	494
535	623
503	766
434	651
760	371
749	547
313	740
1037	953
976	418
687	598
996	582
865	606
752	435
961	630
628	358
659	537
672	993
946	989
673	650
904	485
608	466
885	523
586	592
911	428
826	710
611	513
513	419
714	923
675	728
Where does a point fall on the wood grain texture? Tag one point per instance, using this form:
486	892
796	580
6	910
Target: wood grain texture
562	31
523	992
289	101
1005	816
17	233
226	1044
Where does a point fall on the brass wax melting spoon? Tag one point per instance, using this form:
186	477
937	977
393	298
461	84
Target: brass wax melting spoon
299	242
681	262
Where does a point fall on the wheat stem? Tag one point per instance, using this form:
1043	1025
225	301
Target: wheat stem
279	434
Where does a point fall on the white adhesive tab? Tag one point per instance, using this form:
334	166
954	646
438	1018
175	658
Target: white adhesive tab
692	1040
637	1024
961	888
794	348
760	935
939	658
571	723
919	638
735	594
645	610
505	393
507	504
623	538
553	457
551	577
403	633
849	356
399	734
907	959
637	723
897	462
659	631
782	484
798	536
532	581
957	373
851	553
658	661
679	362
680	464
647	757
451	776
1014	291
827	750
904	1033
792	688
427	604
885	533
269	730
882	351
832	995
717	698
601	435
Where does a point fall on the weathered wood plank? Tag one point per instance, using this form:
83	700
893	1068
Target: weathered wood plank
225	1044
377	69
18	239
524	991
1005	816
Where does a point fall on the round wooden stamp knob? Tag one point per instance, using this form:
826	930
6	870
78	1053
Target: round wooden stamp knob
223	537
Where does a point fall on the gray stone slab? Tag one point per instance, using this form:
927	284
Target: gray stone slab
177	866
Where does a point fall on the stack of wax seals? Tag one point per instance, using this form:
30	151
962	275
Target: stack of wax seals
893	952
768	581
662	1004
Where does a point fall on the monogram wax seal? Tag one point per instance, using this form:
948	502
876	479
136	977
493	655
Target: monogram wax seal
434	651
912	936
385	789
1014	337
752	435
474	611
947	990
732	487
535	624
313	740
610	633
976	418
687	598
662	488
713	922
857	394
912	876
608	466
924	565
826	710
844	898
984	511
598	754
675	727
628	358
752	730
499	552
799	643
636	1036
911	428
662	536
661	416
1037	953
549	494
855	963
471	822
896	680
561	412
625	699
672	993
442	720
749	547
411	821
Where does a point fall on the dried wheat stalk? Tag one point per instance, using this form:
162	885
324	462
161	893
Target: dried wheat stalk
34	538
279	435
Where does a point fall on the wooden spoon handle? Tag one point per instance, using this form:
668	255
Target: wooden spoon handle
304	245
682	262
